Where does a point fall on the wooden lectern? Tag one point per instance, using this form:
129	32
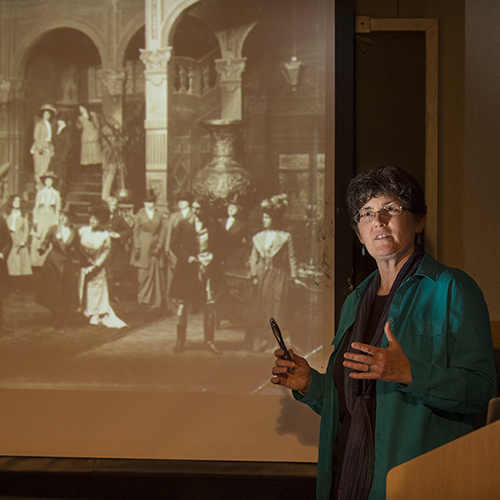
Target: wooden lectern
466	468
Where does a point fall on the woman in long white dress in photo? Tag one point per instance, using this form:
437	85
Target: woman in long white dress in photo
94	296
45	215
18	263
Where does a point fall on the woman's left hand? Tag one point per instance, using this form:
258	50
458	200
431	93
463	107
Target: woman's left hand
389	365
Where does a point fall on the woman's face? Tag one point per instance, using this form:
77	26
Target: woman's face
389	238
266	221
16	202
48	182
93	221
46	115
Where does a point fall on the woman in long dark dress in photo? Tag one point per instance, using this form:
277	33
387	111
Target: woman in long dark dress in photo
272	266
148	253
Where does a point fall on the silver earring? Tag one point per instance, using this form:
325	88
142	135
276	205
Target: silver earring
363	252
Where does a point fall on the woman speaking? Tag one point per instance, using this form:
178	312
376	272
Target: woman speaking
413	359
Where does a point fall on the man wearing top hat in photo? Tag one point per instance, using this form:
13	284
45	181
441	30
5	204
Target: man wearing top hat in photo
198	273
5	247
43	148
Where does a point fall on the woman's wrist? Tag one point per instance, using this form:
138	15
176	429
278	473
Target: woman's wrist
303	391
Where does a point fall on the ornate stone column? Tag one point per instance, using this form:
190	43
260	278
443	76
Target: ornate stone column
224	178
156	62
231	66
11	147
230	71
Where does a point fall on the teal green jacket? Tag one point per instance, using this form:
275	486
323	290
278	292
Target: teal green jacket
441	320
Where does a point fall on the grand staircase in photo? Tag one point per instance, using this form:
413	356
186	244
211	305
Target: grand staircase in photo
83	190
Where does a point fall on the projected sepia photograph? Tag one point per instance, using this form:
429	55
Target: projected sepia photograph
164	196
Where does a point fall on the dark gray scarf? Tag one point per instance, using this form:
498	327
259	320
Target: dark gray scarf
359	458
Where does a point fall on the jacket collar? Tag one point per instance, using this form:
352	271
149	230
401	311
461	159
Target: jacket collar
428	268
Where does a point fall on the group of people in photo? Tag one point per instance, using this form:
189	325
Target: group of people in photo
62	141
183	260
413	339
175	262
179	259
62	261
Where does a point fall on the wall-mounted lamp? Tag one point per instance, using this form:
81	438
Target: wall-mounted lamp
293	69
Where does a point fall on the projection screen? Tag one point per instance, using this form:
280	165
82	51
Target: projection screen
81	390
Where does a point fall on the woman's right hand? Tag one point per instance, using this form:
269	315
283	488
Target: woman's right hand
294	375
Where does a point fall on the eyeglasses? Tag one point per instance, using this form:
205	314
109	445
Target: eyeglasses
366	216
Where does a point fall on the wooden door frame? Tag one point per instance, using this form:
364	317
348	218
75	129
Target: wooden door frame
366	24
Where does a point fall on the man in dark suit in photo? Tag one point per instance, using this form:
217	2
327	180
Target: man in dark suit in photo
184	200
236	235
198	272
235	247
5	247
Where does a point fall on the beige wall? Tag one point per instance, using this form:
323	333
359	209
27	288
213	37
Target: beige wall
469	121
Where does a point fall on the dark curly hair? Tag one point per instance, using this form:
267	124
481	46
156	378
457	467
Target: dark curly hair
22	206
383	181
100	212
